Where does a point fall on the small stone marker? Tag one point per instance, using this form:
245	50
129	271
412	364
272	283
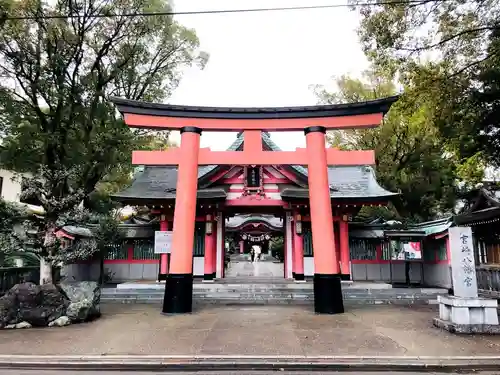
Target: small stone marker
463	269
465	312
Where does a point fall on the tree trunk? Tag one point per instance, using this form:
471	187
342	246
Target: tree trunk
46	267
45	272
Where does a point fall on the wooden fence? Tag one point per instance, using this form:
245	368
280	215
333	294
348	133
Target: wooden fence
15	275
488	280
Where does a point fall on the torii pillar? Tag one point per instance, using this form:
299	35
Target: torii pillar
179	285
327	286
312	120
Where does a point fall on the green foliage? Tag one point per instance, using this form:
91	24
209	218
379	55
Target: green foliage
472	119
28	259
454	31
277	246
57	76
107	232
22	235
410	158
458	36
12	233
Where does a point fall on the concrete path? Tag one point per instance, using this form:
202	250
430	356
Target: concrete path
265	268
252	331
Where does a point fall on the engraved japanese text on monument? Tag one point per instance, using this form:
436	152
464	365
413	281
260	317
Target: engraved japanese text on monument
462	262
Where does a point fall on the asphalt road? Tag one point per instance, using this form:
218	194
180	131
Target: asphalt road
38	372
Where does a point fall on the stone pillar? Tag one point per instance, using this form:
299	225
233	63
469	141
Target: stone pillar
465	311
288	246
163	271
223	255
336	236
210	248
242	247
327	286
298	254
219	260
179	286
345	258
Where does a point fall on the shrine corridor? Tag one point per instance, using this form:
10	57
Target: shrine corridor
240	266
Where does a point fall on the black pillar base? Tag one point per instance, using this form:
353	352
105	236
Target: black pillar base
328	294
209	276
162	276
299	276
178	297
345	277
214	275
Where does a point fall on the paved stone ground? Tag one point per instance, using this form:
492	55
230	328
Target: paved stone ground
265	268
258	330
51	372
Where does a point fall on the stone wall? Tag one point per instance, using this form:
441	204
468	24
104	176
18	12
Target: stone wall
122	271
437	275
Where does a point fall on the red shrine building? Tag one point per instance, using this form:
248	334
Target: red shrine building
314	190
255	201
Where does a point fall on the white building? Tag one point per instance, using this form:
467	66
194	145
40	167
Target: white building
11	187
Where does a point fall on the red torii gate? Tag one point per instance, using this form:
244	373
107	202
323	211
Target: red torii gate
314	121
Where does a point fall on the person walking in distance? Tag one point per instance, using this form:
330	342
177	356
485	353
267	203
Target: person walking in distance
252	254
256	250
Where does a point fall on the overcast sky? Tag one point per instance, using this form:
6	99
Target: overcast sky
267	59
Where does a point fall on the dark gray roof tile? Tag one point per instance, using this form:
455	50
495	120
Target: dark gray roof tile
345	182
328	110
155	183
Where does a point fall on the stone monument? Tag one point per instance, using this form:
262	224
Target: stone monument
465	311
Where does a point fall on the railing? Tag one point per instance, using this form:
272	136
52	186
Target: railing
15	275
488	280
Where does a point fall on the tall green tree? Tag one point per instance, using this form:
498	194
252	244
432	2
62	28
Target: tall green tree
59	64
470	118
409	152
442	47
453	31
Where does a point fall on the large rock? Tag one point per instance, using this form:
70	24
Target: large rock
49	305
85	300
8	310
34	304
60	322
19	325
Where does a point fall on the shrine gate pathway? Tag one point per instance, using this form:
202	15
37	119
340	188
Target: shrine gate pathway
375	330
241	266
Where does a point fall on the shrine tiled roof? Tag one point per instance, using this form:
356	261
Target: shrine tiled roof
349	182
482	207
159	183
352	182
397	229
239	221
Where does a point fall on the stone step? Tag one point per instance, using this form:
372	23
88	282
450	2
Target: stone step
252	295
270	298
359	292
284	292
276	301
